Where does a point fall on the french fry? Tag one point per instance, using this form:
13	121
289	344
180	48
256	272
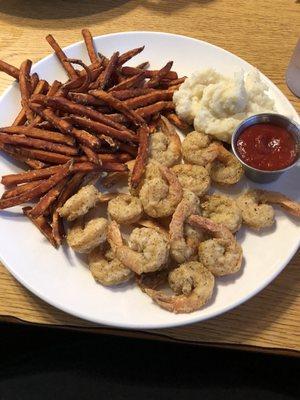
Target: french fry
142	157
20	140
61	57
119	106
36	191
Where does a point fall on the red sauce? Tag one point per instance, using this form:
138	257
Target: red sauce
267	147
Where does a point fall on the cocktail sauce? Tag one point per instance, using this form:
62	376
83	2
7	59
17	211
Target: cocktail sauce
267	147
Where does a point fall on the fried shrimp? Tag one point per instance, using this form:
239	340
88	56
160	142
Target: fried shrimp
184	240
193	177
193	285
198	149
160	193
147	249
85	237
165	144
125	209
106	269
225	169
79	204
222	210
257	214
222	255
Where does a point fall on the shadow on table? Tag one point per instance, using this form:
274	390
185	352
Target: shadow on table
36	10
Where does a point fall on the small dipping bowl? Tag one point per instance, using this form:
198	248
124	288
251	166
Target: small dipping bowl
255	174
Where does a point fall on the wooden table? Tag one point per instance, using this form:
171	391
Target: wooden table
263	33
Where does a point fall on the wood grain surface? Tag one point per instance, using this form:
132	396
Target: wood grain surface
264	33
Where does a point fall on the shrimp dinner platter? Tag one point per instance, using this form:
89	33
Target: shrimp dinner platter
129	178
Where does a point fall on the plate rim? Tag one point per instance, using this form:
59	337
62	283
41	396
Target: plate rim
193	319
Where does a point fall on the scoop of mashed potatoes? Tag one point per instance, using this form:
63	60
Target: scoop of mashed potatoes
216	104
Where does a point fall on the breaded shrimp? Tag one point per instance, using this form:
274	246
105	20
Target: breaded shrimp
160	194
184	242
198	149
125	209
79	204
193	177
106	268
193	285
85	237
222	210
222	255
225	169
147	249
165	144
257	214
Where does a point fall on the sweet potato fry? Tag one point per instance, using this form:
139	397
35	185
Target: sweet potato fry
98	128
88	40
25	87
44	156
58	230
130	71
142	157
105	76
129	54
154	82
45	202
130	93
19	155
109	166
9	69
61	57
80	84
85	99
50	116
91	155
119	106
147	111
37	133
38	190
60	103
29	176
43	226
143	65
128	83
21	140
16	191
114	157
150	98
21	118
177	121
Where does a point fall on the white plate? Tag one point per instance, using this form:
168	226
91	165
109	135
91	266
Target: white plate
59	278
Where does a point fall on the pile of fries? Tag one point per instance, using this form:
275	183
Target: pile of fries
70	133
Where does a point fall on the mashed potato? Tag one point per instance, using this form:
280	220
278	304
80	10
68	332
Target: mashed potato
216	104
